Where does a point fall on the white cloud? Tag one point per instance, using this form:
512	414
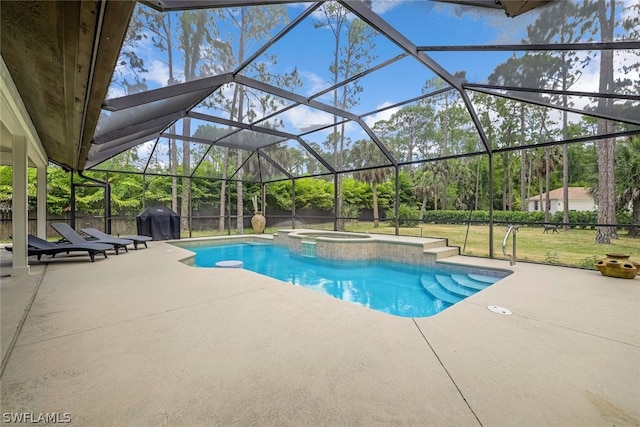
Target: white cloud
144	150
382	6
627	9
313	81
589	80
158	73
115	92
304	118
382	115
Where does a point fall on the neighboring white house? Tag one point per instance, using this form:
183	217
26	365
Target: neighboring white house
579	200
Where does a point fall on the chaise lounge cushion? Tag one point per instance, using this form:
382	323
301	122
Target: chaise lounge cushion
72	236
94	232
38	247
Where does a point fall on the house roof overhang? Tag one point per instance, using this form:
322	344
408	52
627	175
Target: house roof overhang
61	56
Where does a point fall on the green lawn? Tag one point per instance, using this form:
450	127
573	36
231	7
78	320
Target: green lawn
575	247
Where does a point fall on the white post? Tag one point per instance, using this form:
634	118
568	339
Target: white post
42	202
19	208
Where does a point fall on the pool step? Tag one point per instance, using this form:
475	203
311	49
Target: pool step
454	287
443	251
468	282
430	284
484	279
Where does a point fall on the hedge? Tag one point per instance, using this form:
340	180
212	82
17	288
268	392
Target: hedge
519	217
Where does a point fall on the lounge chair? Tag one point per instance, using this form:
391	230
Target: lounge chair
72	236
38	247
137	240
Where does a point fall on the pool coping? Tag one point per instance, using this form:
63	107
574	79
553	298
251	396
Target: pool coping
403	249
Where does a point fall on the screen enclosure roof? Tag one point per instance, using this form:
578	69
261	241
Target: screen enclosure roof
264	91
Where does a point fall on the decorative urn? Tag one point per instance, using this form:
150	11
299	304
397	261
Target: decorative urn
258	222
618	265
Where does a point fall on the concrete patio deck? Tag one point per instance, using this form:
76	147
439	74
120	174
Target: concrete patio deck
141	339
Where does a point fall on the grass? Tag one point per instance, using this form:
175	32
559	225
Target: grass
575	247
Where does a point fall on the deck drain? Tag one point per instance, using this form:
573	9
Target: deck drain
499	310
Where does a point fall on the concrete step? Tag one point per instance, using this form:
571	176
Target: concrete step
468	282
430	284
453	287
443	251
489	280
435	243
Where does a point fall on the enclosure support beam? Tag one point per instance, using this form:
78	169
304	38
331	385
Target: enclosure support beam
144	191
41	208
190	209
293	204
490	206
107	208
228	207
335	201
263	199
107	198
73	201
20	207
396	207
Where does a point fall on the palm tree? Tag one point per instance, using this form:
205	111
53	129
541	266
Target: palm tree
367	154
425	186
628	171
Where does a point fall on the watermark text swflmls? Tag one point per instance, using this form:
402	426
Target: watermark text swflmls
37	417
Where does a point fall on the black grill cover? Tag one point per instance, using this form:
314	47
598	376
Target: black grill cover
159	223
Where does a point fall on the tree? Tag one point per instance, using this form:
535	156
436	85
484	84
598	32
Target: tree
369	155
249	25
605	147
450	129
552	26
411	127
628	173
194	31
161	29
538	70
130	65
425	186
352	53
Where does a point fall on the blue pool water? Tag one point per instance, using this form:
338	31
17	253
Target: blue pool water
399	289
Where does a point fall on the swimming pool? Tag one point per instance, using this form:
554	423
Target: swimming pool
399	289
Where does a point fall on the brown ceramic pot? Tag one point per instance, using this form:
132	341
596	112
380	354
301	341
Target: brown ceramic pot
258	222
618	265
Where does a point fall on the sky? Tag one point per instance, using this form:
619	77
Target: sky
424	23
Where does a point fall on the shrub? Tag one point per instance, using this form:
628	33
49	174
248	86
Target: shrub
551	257
407	215
588	262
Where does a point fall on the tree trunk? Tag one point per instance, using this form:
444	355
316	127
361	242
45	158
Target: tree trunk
505	183
475	203
529	176
635	213
239	201
605	147
173	148
435	199
542	208
523	164
223	188
423	207
547	182
374	190
186	187
173	161
565	153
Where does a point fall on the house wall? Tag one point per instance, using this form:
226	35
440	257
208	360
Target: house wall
557	205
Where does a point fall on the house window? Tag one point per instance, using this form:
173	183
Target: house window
536	206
